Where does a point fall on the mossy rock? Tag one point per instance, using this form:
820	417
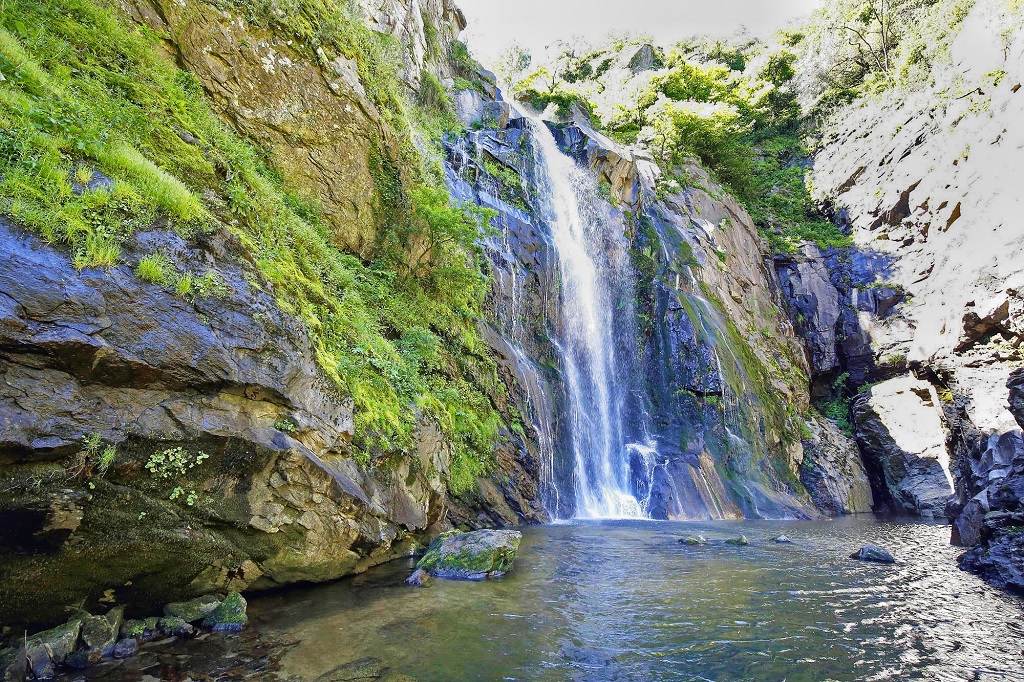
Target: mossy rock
140	629
177	627
193	610
229	616
699	540
741	541
477	555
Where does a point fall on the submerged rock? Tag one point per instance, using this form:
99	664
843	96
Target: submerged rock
477	555
229	616
782	540
419	578
741	541
874	553
699	540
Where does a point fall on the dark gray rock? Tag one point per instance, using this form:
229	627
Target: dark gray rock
1016	385
874	553
1000	559
126	647
477	555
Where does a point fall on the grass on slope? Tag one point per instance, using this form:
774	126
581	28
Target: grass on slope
81	91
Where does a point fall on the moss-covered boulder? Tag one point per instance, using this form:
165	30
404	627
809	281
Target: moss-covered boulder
193	610
229	616
477	555
99	633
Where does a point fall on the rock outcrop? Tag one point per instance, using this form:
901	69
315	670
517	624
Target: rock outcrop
101	355
900	430
833	472
925	184
992	522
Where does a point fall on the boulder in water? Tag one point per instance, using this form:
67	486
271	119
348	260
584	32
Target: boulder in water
419	578
782	540
229	616
477	555
691	540
873	553
99	633
194	610
741	541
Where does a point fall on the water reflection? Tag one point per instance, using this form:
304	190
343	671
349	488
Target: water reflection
625	601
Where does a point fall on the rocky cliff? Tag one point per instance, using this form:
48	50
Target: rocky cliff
924	180
181	429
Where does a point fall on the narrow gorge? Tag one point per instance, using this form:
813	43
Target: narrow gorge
298	297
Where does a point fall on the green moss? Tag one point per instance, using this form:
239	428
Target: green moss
85	89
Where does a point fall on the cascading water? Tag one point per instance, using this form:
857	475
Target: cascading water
597	378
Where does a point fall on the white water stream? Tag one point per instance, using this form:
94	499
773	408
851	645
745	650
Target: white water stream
582	236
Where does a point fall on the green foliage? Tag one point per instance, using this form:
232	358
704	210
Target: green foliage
174	462
82	90
838	408
779	202
712	135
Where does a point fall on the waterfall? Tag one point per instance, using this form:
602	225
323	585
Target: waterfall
594	322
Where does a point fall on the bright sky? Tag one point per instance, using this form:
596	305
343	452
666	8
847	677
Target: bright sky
534	24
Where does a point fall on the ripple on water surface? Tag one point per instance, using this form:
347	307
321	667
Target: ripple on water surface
626	601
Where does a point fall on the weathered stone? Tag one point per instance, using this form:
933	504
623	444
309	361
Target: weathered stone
193	610
741	541
229	616
782	540
126	647
99	633
832	471
873	553
134	628
177	627
477	555
691	540
901	427
419	578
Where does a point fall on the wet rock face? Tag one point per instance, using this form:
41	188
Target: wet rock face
900	429
101	354
833	473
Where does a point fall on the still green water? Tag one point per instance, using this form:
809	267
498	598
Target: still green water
625	600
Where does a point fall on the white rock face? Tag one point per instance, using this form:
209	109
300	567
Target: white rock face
900	424
930	180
